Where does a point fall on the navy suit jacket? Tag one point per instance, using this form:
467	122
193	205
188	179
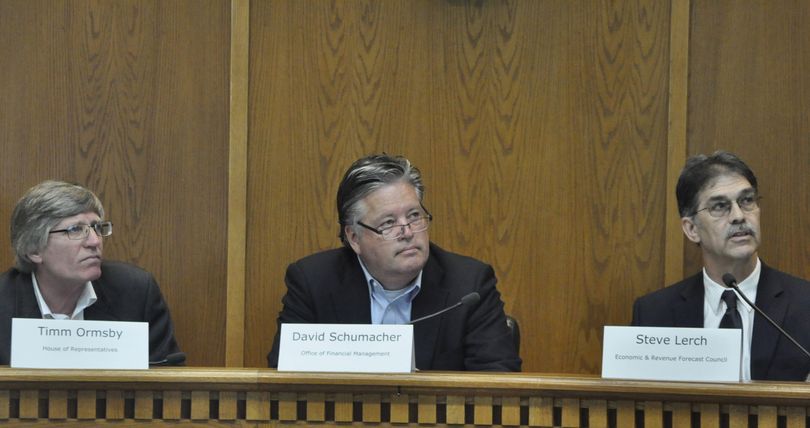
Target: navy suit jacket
330	287
786	299
124	293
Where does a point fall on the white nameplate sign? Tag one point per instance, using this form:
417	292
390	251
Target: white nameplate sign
60	344
363	348
672	354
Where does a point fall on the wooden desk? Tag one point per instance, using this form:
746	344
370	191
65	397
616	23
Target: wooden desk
264	397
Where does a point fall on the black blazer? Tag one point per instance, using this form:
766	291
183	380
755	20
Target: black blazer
329	287
124	293
786	299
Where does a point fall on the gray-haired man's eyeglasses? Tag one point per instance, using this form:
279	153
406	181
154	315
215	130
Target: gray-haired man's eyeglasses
396	231
81	231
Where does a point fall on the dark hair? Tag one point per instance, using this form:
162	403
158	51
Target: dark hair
40	210
700	170
366	175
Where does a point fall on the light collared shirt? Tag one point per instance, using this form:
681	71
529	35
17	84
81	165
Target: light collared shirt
714	308
86	299
390	306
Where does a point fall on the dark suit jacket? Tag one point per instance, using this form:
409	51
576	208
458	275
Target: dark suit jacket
329	287
124	293
786	299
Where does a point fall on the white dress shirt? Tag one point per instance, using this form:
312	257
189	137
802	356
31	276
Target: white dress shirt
86	299
714	309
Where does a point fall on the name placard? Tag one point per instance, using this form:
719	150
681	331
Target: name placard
672	354
59	344
362	348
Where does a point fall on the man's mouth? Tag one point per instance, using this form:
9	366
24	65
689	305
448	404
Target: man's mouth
409	249
740	234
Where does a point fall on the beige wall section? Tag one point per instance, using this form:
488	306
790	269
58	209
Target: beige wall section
130	99
750	93
540	128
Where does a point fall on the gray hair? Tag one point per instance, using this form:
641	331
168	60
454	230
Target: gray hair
40	210
366	175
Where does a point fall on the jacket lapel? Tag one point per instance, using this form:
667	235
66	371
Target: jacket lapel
432	298
351	301
688	312
100	310
763	341
26	300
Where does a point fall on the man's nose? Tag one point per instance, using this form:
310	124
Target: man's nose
736	214
92	239
407	232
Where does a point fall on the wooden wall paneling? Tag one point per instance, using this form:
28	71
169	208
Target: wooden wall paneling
676	136
542	145
586	237
749	92
187	184
34	110
325	89
542	148
129	99
237	183
328	82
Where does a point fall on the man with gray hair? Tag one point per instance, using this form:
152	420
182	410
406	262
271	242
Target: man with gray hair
388	272
57	232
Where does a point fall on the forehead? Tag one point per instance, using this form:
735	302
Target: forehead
726	185
85	218
392	198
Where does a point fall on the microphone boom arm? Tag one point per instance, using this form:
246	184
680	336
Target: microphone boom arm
730	281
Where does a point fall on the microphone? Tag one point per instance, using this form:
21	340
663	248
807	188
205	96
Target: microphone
469	299
174	359
731	282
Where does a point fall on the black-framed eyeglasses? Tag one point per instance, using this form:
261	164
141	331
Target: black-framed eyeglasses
722	208
81	231
393	232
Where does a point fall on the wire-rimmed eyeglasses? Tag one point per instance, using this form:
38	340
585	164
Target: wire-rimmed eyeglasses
722	208
393	232
81	231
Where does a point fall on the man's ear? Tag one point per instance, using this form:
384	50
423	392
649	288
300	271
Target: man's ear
690	229
34	258
352	237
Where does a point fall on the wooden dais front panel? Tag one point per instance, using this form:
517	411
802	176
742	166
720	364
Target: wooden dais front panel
247	397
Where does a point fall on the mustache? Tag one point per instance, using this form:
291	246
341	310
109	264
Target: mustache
740	228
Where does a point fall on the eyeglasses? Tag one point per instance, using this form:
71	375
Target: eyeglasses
721	208
396	231
81	231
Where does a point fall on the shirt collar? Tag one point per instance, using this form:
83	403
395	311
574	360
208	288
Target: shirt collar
375	287
748	286
86	299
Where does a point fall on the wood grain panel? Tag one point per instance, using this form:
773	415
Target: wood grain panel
676	135
750	94
543	398
540	128
129	98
